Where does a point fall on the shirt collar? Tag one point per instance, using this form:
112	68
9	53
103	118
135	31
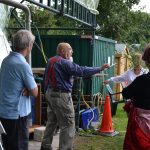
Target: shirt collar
18	55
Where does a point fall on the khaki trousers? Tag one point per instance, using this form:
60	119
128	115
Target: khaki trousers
60	112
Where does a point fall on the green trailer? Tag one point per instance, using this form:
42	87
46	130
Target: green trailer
87	52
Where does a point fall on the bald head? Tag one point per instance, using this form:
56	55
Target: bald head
64	50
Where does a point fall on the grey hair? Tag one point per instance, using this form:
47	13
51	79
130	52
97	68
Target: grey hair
22	39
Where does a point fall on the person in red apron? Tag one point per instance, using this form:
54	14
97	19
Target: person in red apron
138	129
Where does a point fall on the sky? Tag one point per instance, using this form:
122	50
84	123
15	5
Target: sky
143	4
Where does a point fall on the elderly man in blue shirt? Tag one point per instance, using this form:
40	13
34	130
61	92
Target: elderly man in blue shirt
58	82
16	85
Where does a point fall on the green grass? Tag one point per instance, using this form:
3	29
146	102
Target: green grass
120	120
97	142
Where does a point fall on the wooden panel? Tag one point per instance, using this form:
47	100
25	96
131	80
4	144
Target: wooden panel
38	70
38	106
31	129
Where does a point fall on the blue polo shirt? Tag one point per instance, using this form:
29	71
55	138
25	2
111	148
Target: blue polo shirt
15	75
64	71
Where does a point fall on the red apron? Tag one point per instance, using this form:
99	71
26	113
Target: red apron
138	129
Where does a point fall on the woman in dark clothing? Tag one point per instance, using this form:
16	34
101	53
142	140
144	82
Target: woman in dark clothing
138	129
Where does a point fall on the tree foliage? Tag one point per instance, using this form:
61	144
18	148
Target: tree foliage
118	21
113	17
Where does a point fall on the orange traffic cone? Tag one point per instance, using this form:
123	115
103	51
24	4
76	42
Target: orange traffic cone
106	125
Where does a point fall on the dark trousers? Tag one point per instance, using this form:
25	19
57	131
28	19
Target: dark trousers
17	135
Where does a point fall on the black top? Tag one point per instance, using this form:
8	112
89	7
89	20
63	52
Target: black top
139	91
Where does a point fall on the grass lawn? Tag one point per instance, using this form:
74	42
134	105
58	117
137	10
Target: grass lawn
97	142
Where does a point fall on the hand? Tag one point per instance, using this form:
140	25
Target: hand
25	92
106	82
104	66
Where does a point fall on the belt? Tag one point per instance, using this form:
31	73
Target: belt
60	91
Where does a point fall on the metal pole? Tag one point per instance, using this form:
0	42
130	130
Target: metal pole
28	17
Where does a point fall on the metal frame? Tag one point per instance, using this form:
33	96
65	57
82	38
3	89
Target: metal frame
70	9
48	28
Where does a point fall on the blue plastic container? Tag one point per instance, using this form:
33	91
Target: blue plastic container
87	116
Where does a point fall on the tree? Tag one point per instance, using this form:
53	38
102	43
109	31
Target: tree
113	16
